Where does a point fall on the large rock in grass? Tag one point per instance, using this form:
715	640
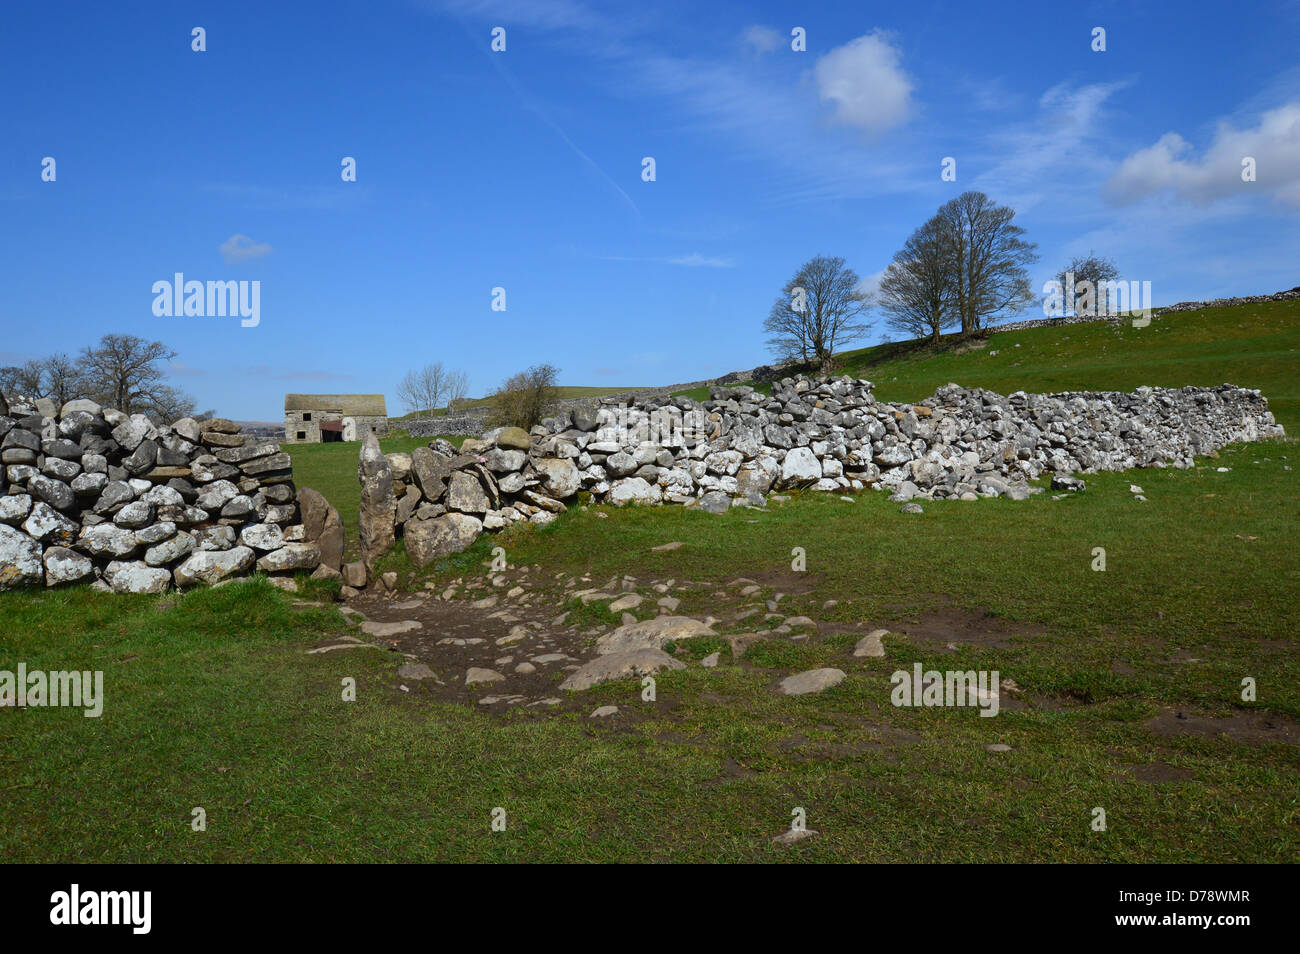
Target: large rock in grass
814	680
430	540
625	665
715	501
323	526
378	503
755	479
20	559
137	577
213	566
801	468
634	490
651	634
291	556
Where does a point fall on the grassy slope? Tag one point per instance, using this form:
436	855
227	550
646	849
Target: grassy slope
212	701
1254	346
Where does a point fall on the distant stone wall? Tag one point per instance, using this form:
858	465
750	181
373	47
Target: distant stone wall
463	423
1292	295
92	495
827	434
472	422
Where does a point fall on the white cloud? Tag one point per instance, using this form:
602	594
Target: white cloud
1274	144
1057	156
240	248
865	83
762	39
871	284
748	101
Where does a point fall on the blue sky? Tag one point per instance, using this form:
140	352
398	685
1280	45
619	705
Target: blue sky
522	169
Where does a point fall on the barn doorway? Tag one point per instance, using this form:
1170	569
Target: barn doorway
331	432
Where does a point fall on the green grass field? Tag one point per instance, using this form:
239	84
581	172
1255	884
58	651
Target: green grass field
1128	699
1254	346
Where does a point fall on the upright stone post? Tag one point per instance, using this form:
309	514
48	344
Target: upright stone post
378	504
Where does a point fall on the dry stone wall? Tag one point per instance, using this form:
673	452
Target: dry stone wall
1290	295
469	423
91	495
827	434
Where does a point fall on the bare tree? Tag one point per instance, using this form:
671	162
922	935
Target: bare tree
987	259
63	378
28	379
524	398
166	403
819	310
918	290
457	387
123	372
430	387
408	392
1092	269
433	385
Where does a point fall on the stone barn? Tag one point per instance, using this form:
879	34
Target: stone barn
323	418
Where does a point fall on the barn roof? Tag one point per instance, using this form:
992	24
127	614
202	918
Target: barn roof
366	405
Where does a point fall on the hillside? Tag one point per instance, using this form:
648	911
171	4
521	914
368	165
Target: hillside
1252	345
1119	688
1255	346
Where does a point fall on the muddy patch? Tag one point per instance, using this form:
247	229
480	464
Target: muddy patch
788	581
503	642
1249	728
946	624
1157	772
520	644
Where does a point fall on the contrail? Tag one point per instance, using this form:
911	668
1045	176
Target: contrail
527	102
